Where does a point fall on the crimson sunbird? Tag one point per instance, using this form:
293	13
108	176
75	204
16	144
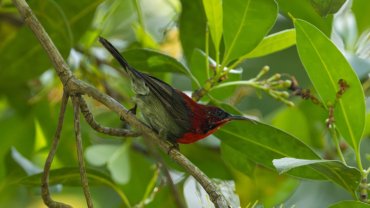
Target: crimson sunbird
168	111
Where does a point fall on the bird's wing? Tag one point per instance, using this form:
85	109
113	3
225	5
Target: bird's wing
171	100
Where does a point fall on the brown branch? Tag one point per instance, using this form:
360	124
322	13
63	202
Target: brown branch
76	86
102	129
45	193
80	155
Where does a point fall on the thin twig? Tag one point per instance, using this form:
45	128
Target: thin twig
102	129
73	86
45	193
77	127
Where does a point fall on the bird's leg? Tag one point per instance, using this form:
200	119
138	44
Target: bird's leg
133	109
174	145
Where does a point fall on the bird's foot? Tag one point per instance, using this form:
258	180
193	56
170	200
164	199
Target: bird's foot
174	146
132	110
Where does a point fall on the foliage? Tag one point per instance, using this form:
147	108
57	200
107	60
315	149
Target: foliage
217	50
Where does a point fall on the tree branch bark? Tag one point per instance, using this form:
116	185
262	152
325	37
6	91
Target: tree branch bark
75	86
45	193
79	147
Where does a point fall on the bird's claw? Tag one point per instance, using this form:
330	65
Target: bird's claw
174	146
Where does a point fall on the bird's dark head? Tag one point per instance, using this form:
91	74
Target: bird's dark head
217	117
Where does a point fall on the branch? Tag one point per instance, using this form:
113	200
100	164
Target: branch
80	155
45	193
102	129
75	86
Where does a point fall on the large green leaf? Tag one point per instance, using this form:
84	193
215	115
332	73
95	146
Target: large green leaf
152	61
237	160
326	65
273	43
351	204
213	9
262	143
246	22
347	177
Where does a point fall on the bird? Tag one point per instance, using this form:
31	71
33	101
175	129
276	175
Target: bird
168	111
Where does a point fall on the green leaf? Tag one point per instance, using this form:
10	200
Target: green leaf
273	43
192	25
246	22
201	157
152	61
115	157
119	164
99	155
293	121
237	160
213	9
326	65
351	204
262	143
336	171
303	9
325	7
361	10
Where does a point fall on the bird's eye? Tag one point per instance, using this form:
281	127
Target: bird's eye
221	114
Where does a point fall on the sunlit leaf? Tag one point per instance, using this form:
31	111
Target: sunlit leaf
347	177
273	43
213	9
245	25
326	66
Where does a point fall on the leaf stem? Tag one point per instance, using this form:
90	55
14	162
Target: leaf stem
334	135
207	52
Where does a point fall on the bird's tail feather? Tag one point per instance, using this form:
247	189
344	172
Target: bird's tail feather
117	55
